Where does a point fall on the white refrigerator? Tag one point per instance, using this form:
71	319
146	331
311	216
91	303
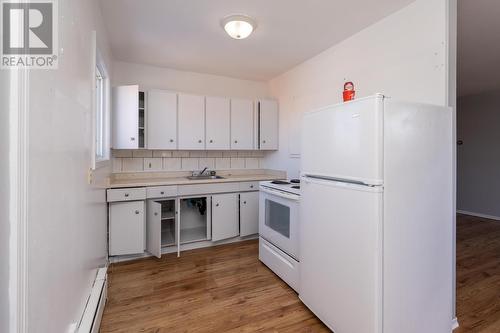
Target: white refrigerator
376	236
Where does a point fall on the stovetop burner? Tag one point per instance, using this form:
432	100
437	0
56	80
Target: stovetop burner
295	181
280	182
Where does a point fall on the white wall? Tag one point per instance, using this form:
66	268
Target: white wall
478	118
402	56
150	77
66	216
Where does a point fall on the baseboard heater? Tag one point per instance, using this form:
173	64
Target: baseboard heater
91	320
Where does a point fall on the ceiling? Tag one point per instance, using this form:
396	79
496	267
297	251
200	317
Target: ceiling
478	46
186	34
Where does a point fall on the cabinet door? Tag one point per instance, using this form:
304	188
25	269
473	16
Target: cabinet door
218	123
268	125
242	122
126	228
161	120
249	213
125	117
224	216
153	228
191	122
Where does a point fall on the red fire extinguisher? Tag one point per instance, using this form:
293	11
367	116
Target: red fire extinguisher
349	91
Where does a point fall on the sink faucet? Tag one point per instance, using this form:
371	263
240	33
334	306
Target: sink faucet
198	173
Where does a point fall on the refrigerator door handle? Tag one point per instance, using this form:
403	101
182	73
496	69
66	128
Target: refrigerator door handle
342	184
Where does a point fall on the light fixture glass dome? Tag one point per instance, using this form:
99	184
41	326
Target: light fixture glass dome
238	26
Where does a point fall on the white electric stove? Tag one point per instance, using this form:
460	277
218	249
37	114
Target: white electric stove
279	227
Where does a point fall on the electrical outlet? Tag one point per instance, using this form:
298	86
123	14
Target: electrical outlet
90	176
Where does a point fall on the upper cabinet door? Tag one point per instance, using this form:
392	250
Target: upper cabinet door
268	125
191	122
242	122
217	123
126	117
161	120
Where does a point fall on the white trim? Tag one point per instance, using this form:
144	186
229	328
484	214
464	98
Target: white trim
454	324
92	315
18	203
485	216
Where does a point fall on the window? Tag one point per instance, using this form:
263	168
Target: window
101	108
100	114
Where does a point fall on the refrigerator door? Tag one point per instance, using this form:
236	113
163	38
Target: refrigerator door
341	254
345	141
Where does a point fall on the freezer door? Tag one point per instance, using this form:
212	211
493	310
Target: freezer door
345	141
341	254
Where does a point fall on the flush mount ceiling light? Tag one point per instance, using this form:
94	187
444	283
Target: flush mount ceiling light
238	26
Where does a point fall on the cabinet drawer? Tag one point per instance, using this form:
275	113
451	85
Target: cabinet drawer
161	192
249	186
208	188
126	194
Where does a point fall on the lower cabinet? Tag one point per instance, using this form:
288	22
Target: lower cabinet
126	227
249	213
155	223
224	216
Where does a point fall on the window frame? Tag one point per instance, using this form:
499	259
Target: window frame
101	115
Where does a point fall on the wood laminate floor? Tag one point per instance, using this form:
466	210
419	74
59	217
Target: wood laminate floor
227	289
219	289
478	275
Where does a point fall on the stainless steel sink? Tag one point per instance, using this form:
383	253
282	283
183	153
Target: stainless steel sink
204	177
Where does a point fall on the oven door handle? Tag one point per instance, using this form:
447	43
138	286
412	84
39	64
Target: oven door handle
280	194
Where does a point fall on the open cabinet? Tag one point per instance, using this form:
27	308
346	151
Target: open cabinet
195	219
162	225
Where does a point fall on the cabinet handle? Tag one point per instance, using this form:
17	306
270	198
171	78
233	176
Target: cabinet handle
126	195
235	141
156	214
251	186
211	141
199	141
162	192
216	205
171	140
263	141
137	212
132	139
244	202
150	165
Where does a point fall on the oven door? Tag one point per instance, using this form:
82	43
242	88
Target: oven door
279	220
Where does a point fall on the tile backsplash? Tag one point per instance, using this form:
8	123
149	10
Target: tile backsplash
179	160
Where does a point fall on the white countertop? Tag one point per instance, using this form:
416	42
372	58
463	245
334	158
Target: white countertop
164	179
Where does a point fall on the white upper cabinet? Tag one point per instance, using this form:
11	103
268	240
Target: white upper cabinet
126	117
268	124
242	124
191	122
161	124
217	123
